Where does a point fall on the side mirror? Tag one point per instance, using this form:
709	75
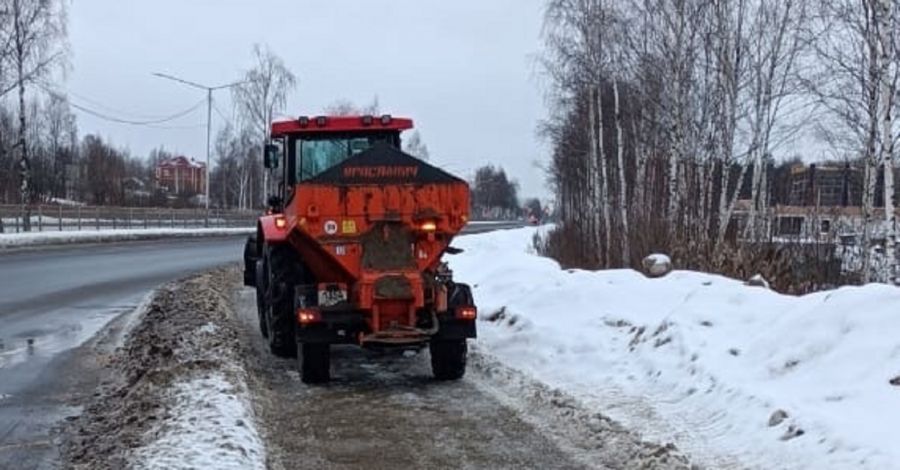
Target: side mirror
271	156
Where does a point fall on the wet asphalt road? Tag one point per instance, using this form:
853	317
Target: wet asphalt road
53	300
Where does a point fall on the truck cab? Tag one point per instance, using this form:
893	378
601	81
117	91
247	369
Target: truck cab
302	149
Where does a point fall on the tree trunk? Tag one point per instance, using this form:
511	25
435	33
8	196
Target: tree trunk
672	186
623	210
604	179
638	199
593	206
885	18
20	82
750	230
763	200
868	202
872	83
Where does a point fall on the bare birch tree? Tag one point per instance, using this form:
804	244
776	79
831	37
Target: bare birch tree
37	35
622	204
263	93
776	41
856	84
700	98
415	146
885	26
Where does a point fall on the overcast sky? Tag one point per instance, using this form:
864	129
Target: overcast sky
464	70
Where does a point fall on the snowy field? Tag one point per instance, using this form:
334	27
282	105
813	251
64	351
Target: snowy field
737	376
20	240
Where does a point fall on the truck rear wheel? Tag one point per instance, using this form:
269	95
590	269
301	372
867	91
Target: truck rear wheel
314	361
282	274
448	358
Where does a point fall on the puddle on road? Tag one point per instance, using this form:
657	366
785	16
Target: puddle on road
44	343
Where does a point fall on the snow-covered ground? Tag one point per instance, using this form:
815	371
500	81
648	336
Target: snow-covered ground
18	240
737	376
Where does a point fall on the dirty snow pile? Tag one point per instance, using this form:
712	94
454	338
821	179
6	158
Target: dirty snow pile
18	240
176	396
737	376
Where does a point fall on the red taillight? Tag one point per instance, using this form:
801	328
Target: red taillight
305	316
280	222
466	313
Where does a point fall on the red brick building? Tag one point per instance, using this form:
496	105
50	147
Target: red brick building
180	175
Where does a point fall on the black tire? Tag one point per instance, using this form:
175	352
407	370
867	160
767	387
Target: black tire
261	297
282	274
314	362
448	358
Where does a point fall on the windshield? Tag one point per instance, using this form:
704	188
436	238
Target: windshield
314	155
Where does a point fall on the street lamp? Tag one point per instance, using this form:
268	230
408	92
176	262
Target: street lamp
209	91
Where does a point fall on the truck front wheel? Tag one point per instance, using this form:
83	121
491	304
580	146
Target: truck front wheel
448	358
314	361
261	297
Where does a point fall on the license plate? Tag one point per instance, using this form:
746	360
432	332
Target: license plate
331	294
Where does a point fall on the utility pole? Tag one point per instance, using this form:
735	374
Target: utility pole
209	97
208	134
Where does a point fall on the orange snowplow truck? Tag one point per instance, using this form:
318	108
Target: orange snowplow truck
350	249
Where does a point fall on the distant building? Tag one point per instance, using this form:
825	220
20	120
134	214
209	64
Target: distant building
180	175
825	186
821	203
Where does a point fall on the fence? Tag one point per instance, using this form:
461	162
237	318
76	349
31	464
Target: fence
42	218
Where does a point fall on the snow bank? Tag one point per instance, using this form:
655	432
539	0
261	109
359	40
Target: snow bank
212	428
738	376
20	240
174	393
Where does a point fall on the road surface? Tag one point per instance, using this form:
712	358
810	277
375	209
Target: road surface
384	411
53	300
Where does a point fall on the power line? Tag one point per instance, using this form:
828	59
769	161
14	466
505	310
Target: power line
176	128
138	123
106	108
219	112
133	122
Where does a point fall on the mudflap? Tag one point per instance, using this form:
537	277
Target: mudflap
251	254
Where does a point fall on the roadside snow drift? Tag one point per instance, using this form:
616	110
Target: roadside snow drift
29	239
176	395
737	376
